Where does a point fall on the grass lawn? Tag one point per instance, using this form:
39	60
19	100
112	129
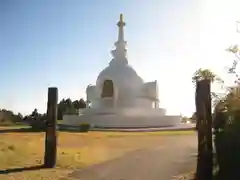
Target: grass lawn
75	150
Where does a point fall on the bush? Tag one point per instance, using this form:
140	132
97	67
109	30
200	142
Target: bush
37	124
4	122
227	144
85	127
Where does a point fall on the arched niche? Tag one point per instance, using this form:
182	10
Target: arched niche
107	89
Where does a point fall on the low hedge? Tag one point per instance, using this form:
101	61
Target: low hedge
84	127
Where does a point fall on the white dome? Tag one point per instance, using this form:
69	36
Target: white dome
122	75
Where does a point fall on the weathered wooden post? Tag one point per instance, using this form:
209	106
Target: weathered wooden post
51	135
204	128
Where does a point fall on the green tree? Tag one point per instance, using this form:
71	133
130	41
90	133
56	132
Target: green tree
8	117
203	74
232	70
194	117
20	116
67	106
76	104
82	104
61	109
232	97
35	113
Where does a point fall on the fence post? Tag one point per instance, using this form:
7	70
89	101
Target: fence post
51	135
204	128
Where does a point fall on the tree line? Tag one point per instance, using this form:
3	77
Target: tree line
65	106
8	117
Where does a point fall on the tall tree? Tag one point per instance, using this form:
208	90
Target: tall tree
232	99
82	104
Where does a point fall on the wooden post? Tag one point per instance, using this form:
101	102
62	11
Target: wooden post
51	135
204	128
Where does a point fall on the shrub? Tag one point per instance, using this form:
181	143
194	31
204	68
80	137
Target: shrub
85	127
5	122
38	124
228	146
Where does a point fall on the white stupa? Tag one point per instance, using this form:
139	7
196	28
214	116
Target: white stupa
120	97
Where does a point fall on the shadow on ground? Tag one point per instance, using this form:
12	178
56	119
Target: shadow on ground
15	170
19	130
30	130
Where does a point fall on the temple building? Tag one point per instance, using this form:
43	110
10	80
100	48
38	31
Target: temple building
120	97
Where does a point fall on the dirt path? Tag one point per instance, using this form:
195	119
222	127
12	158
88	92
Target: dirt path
162	162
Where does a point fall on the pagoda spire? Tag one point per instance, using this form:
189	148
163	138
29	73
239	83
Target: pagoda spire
119	54
121	25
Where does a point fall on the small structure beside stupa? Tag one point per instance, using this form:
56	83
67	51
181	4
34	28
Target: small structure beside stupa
120	97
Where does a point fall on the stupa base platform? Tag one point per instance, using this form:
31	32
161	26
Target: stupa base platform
117	121
181	127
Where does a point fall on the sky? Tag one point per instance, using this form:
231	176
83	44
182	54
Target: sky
65	44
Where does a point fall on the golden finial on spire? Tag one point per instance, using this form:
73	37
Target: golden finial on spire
121	17
121	23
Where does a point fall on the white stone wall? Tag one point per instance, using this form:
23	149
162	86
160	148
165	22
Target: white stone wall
150	89
95	103
91	92
143	102
122	121
143	112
